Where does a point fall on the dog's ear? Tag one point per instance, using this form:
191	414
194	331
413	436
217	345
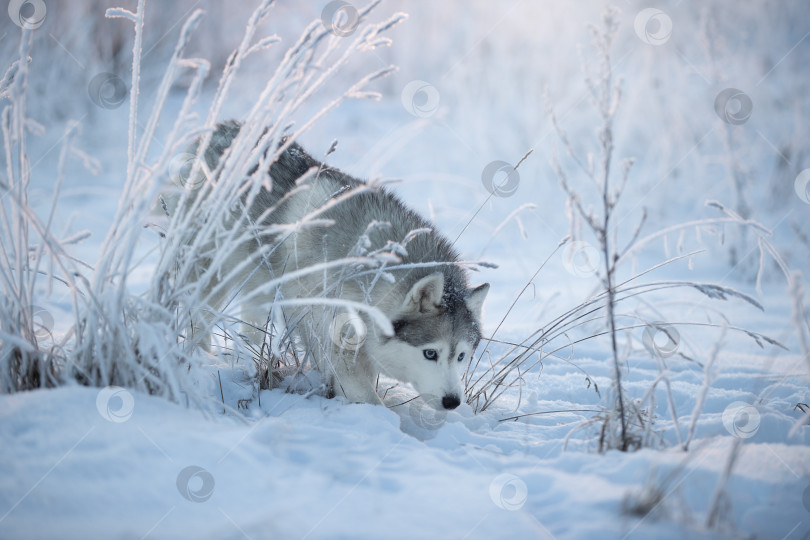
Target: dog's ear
475	300
426	295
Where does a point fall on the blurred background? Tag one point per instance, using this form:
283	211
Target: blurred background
473	85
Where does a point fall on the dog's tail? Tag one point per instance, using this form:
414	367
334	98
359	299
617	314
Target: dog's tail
293	163
181	166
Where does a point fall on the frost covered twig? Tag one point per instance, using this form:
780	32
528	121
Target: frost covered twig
605	96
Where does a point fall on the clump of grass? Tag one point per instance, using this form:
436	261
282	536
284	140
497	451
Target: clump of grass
142	341
31	253
624	423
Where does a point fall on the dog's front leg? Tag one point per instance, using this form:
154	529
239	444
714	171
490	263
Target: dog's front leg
355	378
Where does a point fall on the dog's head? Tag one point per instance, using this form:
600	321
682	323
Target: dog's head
435	334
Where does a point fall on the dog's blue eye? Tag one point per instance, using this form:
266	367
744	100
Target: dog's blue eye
430	354
461	357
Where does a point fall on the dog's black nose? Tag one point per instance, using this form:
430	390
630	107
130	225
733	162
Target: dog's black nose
450	402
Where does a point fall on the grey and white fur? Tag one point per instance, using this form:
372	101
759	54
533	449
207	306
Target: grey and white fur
434	313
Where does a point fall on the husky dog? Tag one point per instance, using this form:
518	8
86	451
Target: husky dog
396	262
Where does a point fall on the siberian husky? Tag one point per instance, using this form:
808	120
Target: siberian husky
385	256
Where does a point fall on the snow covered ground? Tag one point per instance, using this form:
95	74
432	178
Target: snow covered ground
78	462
